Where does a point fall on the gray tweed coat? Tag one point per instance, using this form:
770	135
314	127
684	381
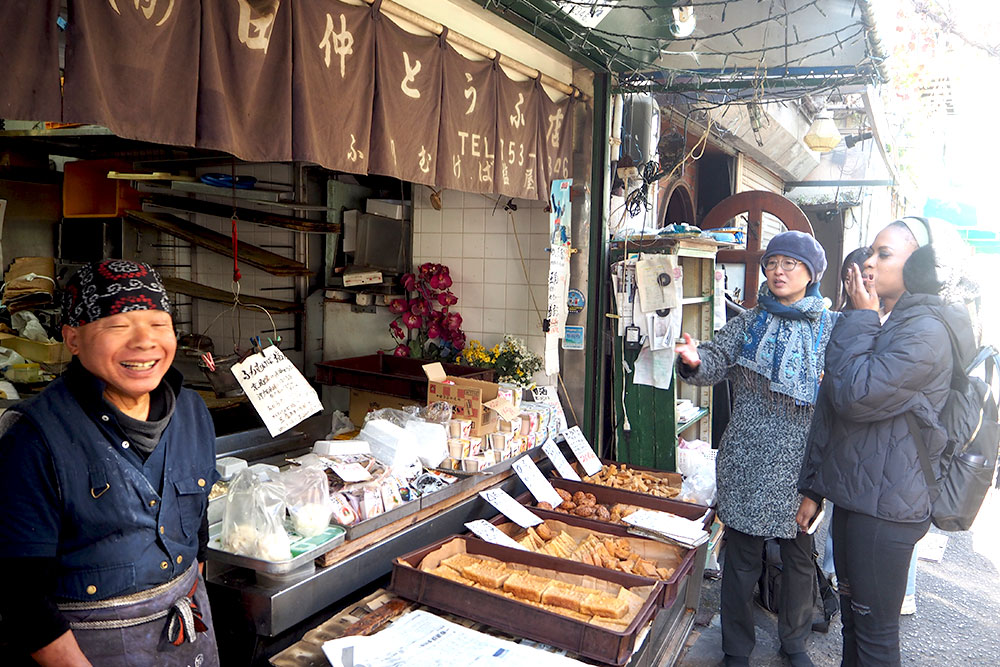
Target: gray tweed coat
761	452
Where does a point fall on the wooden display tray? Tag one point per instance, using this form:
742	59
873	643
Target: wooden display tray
674	478
519	618
683	567
220	243
610	496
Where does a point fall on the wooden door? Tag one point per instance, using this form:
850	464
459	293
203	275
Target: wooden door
754	203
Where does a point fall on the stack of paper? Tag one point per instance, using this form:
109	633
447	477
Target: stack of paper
667	527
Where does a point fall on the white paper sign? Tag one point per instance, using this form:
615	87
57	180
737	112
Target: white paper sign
510	508
276	389
533	478
351	472
583	451
563	467
492	534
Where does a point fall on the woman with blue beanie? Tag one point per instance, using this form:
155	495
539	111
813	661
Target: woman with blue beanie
774	355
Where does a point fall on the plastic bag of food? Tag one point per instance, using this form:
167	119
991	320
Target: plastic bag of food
307	493
397	417
700	487
253	523
438	412
340	424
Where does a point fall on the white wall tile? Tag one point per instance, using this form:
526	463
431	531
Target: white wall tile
452	199
538	271
472	296
451	250
475	200
517	297
515	271
496	245
516	322
495	271
493	321
430	220
473	245
495	296
472	270
451	221
472	319
473	221
430	247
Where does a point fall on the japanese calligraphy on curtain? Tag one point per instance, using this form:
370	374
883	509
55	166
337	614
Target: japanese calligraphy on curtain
555	141
29	51
129	65
516	172
333	71
407	109
467	143
245	79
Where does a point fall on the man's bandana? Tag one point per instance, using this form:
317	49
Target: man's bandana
112	286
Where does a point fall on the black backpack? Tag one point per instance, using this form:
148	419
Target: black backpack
969	460
769	584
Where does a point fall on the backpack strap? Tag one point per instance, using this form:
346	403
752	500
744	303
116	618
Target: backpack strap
923	455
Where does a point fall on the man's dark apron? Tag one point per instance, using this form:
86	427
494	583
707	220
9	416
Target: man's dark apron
159	626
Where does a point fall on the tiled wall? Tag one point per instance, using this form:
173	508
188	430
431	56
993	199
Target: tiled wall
475	238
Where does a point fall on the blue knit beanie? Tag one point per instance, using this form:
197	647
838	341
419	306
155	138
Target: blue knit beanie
800	246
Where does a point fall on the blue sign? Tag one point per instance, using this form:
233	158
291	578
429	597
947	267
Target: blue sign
576	301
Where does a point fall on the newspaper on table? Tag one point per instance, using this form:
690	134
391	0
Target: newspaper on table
421	638
667	527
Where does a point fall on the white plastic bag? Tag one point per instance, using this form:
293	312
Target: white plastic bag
307	494
254	520
432	441
393	446
699	488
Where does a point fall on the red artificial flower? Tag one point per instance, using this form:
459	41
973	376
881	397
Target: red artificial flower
435	281
396	330
444	281
409	282
458	341
412	321
420	307
447	299
401	351
398	306
453	321
434	331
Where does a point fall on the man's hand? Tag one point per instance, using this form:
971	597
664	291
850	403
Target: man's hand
806	514
63	652
862	295
688	352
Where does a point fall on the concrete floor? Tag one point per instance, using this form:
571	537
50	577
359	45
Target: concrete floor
958	609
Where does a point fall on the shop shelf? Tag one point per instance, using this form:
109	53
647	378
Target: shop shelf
89	193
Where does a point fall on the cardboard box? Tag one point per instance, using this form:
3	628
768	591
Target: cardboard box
363	402
465	396
43	353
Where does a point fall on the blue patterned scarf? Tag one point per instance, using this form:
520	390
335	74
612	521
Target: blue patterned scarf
783	344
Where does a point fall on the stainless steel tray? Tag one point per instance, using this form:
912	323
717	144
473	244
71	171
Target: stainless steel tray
312	548
362	528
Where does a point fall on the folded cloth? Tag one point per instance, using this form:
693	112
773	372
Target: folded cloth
29	283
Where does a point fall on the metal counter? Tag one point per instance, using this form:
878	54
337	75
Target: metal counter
276	607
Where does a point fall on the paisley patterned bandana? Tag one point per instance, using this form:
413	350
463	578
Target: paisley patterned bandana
112	286
783	344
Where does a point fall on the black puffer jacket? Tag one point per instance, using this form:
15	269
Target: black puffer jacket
860	453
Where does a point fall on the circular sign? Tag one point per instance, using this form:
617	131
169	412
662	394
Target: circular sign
576	301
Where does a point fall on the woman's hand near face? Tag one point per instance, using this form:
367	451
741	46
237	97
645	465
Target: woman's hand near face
862	295
688	352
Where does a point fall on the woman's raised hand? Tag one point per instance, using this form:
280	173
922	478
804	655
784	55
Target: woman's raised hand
688	352
862	295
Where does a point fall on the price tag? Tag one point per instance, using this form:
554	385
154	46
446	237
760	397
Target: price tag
351	472
533	478
487	531
563	467
510	508
583	451
504	408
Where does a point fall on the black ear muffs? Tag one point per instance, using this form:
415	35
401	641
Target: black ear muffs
921	272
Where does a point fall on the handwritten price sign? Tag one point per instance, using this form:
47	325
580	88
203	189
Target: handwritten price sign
583	451
510	508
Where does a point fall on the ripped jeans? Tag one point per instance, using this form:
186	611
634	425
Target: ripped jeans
872	557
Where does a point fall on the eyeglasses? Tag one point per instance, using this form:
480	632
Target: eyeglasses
787	264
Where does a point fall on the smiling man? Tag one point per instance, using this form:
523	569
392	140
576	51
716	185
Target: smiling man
104	482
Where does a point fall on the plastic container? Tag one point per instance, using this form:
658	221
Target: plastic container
229	466
89	193
383	244
393	446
